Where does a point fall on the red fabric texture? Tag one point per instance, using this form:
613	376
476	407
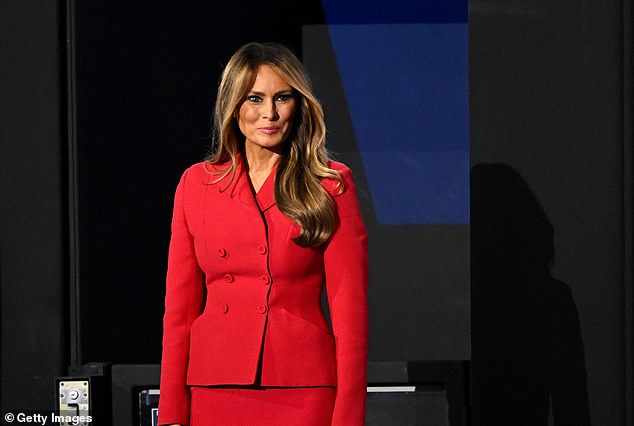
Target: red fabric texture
240	291
264	407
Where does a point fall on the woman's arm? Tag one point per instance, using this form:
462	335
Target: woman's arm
346	265
183	303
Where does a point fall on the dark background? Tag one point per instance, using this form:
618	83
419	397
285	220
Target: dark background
550	95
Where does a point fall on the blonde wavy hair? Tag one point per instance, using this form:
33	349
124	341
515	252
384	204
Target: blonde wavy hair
304	164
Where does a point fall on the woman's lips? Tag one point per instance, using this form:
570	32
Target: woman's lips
269	130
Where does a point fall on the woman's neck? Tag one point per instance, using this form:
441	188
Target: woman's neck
260	163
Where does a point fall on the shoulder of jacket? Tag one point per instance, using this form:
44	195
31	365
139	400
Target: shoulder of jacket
201	173
333	186
340	167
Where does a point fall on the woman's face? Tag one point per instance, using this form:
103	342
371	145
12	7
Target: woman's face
266	116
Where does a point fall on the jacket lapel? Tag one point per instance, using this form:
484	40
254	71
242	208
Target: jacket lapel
240	188
266	195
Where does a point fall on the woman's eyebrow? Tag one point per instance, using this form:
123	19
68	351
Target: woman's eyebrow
280	92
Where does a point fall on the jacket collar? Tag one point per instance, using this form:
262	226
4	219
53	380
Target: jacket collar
266	195
240	188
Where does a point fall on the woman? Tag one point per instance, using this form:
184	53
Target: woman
257	229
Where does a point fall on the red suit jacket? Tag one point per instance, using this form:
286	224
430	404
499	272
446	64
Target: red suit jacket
237	285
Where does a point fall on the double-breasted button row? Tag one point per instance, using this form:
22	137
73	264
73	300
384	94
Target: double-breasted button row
261	309
262	249
264	279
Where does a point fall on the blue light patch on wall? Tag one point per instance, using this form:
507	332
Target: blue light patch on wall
394	11
407	91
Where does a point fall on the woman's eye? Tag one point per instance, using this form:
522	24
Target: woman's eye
284	98
254	99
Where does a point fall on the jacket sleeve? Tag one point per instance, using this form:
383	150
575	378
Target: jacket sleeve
183	303
346	267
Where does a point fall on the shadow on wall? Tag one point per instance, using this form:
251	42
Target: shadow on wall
528	355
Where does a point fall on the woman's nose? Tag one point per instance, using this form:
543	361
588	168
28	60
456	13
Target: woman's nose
270	111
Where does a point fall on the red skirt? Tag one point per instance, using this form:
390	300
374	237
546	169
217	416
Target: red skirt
261	406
